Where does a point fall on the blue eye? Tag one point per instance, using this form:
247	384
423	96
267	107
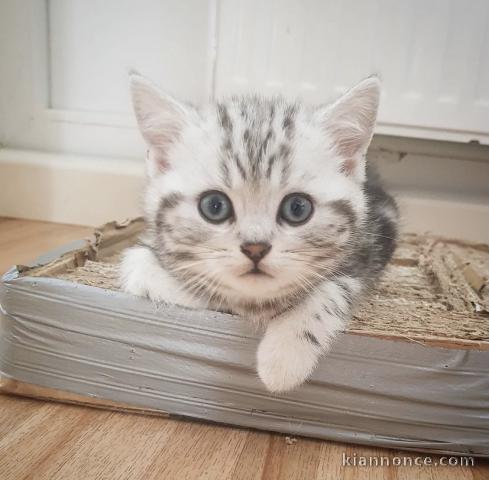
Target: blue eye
296	209
215	207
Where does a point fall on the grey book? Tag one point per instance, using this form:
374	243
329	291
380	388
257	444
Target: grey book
411	372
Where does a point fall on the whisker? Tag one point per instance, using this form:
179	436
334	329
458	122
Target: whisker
378	235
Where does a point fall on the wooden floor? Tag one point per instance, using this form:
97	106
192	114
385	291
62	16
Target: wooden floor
42	440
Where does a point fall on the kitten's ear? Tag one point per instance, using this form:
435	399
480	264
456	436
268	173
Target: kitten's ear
160	118
350	123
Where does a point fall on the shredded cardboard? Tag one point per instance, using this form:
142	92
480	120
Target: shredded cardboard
432	288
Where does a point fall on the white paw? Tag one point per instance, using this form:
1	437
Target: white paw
284	362
141	275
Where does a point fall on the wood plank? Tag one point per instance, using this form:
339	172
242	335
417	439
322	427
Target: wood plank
43	441
15	387
22	241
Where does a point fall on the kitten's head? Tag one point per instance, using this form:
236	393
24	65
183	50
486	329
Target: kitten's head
255	199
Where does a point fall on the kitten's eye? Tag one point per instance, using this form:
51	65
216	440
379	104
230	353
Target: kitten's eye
296	209
215	207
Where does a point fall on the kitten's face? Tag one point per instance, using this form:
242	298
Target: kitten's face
251	200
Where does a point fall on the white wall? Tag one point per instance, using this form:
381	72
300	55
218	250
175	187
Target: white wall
64	70
65	62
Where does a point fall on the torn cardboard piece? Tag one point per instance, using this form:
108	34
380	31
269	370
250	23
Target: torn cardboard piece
434	288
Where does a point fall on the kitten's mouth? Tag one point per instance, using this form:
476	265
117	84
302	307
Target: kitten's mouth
256	272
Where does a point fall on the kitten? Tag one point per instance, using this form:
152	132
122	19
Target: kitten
264	208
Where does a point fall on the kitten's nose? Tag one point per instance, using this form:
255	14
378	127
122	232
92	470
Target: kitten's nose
255	251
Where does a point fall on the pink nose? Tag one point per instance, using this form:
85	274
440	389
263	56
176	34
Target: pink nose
256	251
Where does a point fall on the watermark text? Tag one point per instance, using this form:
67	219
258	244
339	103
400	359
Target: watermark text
355	460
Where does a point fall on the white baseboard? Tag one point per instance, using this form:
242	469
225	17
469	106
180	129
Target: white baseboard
94	190
69	189
466	220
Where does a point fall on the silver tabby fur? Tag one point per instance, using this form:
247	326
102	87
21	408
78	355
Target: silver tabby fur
257	151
